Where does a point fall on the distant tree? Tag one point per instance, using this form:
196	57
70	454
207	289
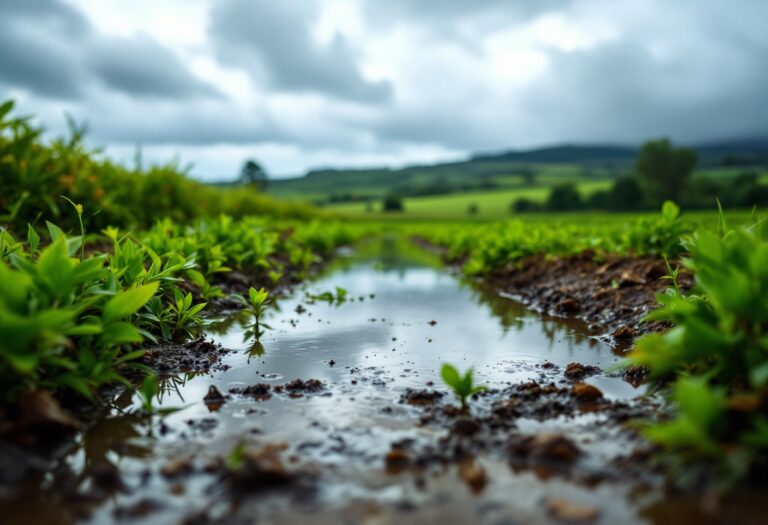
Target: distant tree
564	197
524	204
664	169
473	209
253	174
393	202
625	194
598	200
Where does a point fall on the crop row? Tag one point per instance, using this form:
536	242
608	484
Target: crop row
75	319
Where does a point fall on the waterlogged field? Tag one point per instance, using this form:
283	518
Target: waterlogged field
172	364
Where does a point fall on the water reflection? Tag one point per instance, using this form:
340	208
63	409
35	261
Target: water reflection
403	318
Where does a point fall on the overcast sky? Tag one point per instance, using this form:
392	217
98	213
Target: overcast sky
310	83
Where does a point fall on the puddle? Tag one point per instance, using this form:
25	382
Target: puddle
403	319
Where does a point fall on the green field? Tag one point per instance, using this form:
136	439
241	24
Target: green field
490	204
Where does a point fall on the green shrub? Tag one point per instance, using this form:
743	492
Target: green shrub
716	355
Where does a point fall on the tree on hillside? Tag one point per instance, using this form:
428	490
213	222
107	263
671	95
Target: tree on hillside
564	197
625	194
664	169
392	202
253	174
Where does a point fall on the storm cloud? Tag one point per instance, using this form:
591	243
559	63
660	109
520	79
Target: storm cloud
272	41
355	82
49	48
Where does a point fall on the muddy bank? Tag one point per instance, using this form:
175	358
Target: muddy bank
612	294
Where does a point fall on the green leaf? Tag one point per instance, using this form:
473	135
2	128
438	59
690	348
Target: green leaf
85	329
702	404
128	302
130	356
6	108
55	232
450	375
670	211
33	239
55	268
119	333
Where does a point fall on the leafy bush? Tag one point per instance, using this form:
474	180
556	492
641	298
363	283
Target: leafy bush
393	202
716	355
65	322
34	175
564	197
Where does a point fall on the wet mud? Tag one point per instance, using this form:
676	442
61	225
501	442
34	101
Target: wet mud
613	293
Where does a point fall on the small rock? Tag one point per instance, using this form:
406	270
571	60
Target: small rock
568	512
586	392
214	396
396	460
260	391
579	371
546	447
473	475
300	385
625	332
569	306
421	397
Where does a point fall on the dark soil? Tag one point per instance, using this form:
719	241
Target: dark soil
615	293
199	355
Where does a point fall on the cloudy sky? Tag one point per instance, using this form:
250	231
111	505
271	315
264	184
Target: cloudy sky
309	83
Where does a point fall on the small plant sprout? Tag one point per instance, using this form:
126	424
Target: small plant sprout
256	304
462	386
79	209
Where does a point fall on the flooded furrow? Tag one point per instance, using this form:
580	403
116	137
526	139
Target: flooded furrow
369	432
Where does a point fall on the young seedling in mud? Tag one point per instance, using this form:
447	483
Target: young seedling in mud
462	386
256	304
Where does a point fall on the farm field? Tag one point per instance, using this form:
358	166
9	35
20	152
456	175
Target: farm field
490	205
383	263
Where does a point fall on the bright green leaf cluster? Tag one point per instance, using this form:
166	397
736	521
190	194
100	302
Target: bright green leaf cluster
462	385
717	352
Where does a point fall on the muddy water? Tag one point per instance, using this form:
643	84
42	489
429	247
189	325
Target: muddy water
402	320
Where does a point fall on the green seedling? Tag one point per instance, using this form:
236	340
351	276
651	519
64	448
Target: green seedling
462	386
79	210
256	305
